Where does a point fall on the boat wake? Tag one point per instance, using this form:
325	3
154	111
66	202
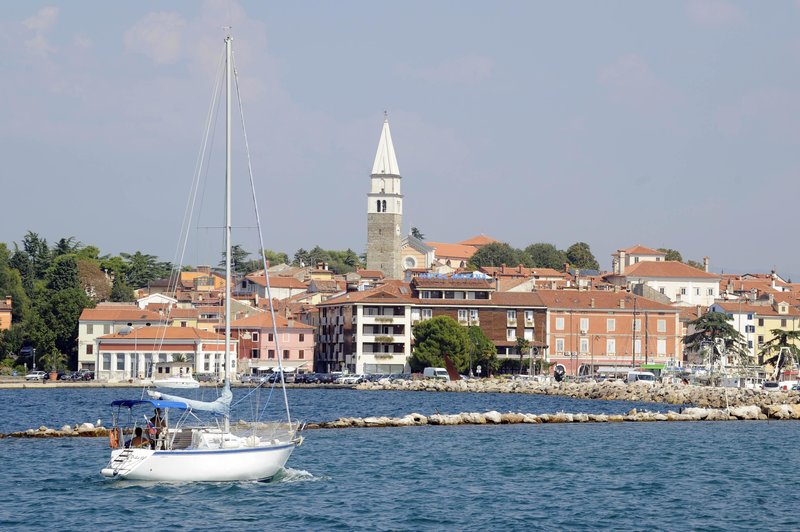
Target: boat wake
295	475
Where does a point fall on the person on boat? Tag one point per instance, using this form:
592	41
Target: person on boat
139	440
158	420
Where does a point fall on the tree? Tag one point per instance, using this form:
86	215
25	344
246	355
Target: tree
32	261
714	335
301	258
579	255
436	337
11	284
497	254
780	350
239	263
139	268
694	264
276	257
66	246
523	345
416	233
543	255
94	281
482	350
54	360
672	254
120	291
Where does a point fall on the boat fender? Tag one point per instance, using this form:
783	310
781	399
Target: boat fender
114	436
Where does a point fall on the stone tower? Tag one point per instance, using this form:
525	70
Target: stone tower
385	210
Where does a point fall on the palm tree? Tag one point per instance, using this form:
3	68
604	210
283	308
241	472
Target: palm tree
780	350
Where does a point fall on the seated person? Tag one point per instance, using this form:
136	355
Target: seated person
138	440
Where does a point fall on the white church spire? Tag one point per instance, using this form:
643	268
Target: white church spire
385	159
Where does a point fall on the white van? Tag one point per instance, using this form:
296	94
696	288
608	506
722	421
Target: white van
641	376
436	373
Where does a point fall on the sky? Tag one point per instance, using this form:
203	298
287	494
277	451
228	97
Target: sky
666	124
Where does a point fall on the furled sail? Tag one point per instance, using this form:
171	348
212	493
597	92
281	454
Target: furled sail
221	406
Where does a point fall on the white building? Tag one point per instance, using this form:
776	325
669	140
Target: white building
681	283
109	318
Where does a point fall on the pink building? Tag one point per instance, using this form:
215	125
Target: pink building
259	349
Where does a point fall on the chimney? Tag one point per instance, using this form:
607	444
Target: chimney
502	268
291	323
705	264
699	311
519	268
621	265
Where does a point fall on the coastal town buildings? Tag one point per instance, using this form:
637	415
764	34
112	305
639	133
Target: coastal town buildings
680	283
106	319
260	350
131	354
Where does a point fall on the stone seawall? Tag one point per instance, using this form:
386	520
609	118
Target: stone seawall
700	396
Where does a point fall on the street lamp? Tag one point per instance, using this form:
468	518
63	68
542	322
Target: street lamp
34	358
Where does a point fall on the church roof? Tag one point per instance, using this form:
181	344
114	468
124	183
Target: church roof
385	159
478	241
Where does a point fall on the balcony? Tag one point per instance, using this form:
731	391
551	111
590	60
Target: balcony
511	323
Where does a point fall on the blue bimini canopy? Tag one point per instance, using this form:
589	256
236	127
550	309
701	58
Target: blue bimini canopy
155	403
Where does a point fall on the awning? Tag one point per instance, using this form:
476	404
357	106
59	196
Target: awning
652	366
156	403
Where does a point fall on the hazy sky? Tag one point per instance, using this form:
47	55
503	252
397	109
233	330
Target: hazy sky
669	124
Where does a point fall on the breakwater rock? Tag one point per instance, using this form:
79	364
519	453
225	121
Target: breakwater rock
700	396
742	413
84	430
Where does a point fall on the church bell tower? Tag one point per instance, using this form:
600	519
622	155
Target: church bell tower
385	210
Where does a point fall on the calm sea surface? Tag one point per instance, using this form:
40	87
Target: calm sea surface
663	476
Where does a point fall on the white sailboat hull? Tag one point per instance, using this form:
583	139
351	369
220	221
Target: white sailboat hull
199	465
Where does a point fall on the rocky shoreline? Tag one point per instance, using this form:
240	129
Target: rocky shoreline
697	396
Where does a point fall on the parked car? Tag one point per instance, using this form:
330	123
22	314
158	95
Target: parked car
82	375
36	376
206	377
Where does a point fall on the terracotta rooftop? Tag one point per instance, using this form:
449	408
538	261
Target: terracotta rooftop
443	250
263	320
638	249
668	268
734	307
478	241
131	314
582	299
370	274
277	282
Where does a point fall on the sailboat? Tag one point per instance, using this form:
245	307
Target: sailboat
176	444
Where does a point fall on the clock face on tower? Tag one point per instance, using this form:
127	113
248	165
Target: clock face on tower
397	230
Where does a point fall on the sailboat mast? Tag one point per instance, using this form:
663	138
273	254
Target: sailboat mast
227	209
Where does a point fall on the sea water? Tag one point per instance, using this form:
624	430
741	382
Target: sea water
624	476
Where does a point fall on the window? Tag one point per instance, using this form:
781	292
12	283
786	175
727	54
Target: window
662	290
271	353
512	315
270	337
255	336
697	291
107	362
662	326
750	329
473	315
611	346
427	314
254	353
89	328
661	346
302	337
760	322
637	325
584	345
107	329
529	316
462	314
683	291
90	349
584	324
511	334
183	324
285	353
711	291
783	322
559	324
120	361
301	354
559	345
611	324
415	316
750	344
760	339
637	347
